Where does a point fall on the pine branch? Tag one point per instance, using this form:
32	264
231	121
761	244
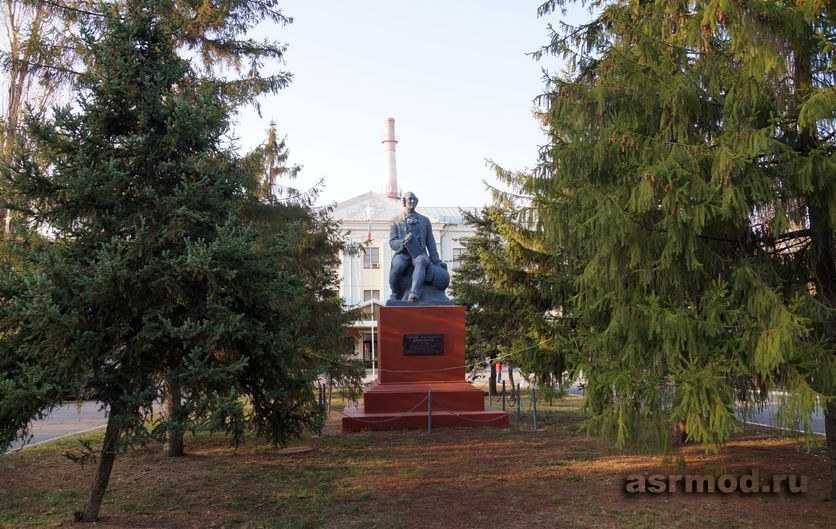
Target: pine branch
789	249
797	234
766	241
10	61
75	10
552	47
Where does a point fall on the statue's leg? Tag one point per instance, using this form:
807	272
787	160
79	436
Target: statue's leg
420	263
399	263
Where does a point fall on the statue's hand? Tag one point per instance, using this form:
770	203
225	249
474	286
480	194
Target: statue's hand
407	238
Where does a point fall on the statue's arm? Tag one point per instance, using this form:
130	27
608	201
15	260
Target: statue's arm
431	247
395	242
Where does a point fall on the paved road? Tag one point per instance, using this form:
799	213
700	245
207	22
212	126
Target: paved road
69	419
766	417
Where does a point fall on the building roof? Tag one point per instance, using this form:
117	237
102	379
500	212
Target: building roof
448	215
374	206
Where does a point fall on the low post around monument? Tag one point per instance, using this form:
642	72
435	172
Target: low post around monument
519	411
534	405
429	412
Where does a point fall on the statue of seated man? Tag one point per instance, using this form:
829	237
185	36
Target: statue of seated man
411	239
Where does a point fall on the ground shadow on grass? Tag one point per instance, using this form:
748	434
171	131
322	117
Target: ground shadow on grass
462	477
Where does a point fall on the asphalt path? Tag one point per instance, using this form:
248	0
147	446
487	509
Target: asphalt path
766	416
69	419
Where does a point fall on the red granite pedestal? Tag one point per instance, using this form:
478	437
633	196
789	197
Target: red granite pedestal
421	352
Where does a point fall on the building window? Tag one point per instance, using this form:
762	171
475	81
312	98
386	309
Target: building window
457	254
371	258
369	295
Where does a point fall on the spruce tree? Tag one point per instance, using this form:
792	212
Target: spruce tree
37	57
514	306
135	262
489	332
43	52
690	185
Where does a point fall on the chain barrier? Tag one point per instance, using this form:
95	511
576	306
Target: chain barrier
465	367
468	419
370	421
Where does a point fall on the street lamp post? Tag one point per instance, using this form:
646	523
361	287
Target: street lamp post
374	370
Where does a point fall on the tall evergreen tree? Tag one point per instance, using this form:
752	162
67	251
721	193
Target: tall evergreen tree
37	57
279	210
148	269
276	209
490	329
690	185
506	281
43	51
273	173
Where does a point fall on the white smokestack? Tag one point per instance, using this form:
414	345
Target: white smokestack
390	168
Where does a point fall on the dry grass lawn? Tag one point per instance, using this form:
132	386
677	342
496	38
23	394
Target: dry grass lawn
456	478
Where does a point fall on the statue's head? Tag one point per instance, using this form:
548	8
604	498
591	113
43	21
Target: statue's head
409	201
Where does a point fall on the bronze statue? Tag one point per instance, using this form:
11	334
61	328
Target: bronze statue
411	238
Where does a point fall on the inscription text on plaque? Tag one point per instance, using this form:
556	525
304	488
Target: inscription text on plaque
423	344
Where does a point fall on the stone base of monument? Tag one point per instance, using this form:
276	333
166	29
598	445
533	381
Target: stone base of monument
407	406
422	375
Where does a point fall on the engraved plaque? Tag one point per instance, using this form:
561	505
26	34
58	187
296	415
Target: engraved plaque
423	344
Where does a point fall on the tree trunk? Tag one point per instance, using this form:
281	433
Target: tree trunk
513	391
108	456
830	431
824	272
174	413
822	253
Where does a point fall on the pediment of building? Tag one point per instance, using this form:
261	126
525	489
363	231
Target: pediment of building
371	206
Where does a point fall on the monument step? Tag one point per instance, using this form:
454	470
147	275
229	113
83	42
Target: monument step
407	397
355	419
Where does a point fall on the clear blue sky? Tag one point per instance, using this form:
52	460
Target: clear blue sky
453	74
